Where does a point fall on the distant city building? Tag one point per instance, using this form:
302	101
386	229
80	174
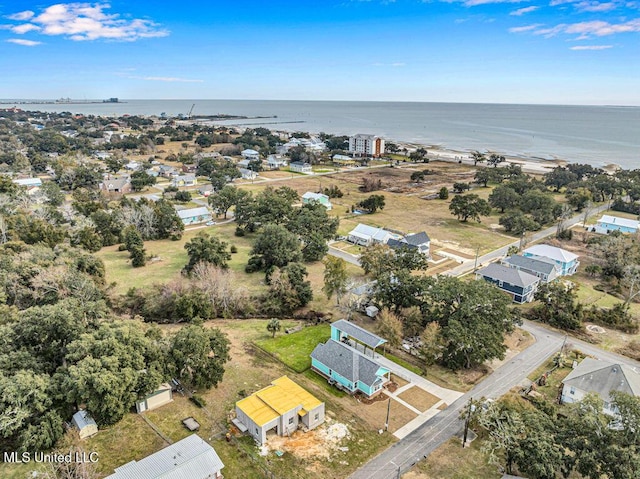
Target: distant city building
367	145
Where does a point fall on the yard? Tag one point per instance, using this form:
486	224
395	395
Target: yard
294	349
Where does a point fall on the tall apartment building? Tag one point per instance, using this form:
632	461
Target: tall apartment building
369	145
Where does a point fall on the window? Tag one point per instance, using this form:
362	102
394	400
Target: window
500	283
316	416
291	420
257	431
572	390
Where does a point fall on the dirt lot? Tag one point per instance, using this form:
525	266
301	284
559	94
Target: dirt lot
418	398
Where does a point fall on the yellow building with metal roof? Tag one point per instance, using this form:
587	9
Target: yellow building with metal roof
281	406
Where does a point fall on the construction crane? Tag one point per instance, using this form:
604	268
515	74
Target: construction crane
191	111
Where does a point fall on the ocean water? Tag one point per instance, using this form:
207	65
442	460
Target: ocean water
598	135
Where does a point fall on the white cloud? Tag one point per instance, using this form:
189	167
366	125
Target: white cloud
24	28
23	42
475	3
591	47
595	6
20	16
525	28
85	21
522	11
169	79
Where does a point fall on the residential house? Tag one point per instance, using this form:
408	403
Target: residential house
310	197
85	424
28	182
282	407
167	171
246	174
132	165
343	160
152	172
116	184
244	163
607	224
205	190
520	285
309	144
365	235
250	155
418	241
348	368
192	216
184	180
601	378
189	168
161	396
566	260
300	167
366	145
191	457
275	162
544	268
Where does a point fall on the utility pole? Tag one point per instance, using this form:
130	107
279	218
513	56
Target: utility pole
386	422
475	265
466	423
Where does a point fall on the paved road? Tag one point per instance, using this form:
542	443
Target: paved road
404	454
538	235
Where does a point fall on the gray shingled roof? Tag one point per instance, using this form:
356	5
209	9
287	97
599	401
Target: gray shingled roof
347	362
417	239
394	243
540	265
190	458
508	275
358	333
602	377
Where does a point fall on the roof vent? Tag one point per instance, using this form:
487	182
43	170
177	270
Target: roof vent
615	370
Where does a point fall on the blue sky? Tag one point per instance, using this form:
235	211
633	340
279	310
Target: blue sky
503	51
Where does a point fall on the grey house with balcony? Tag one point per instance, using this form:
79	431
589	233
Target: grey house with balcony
544	268
520	285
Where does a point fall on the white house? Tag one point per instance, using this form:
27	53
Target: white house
191	457
275	162
249	154
184	180
132	165
366	145
365	235
601	378
300	167
247	174
28	182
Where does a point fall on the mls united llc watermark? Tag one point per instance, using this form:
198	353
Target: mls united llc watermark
54	457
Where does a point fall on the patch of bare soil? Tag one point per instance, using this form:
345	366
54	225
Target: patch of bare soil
319	443
419	398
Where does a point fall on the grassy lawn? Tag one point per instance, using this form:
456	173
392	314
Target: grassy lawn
451	461
294	349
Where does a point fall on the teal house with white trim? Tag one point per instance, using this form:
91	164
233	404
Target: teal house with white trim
347	359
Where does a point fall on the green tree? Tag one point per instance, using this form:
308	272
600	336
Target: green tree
558	306
223	200
335	277
517	222
373	203
504	197
483	176
474	317
207	249
273	326
478	157
443	194
141	179
138	257
275	246
539	205
495	159
390	327
459	187
288	290
469	206
198	355
560	177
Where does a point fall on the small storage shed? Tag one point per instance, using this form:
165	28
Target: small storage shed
159	397
85	424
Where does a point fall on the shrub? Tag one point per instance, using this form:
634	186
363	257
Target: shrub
239	231
443	194
233	249
198	400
